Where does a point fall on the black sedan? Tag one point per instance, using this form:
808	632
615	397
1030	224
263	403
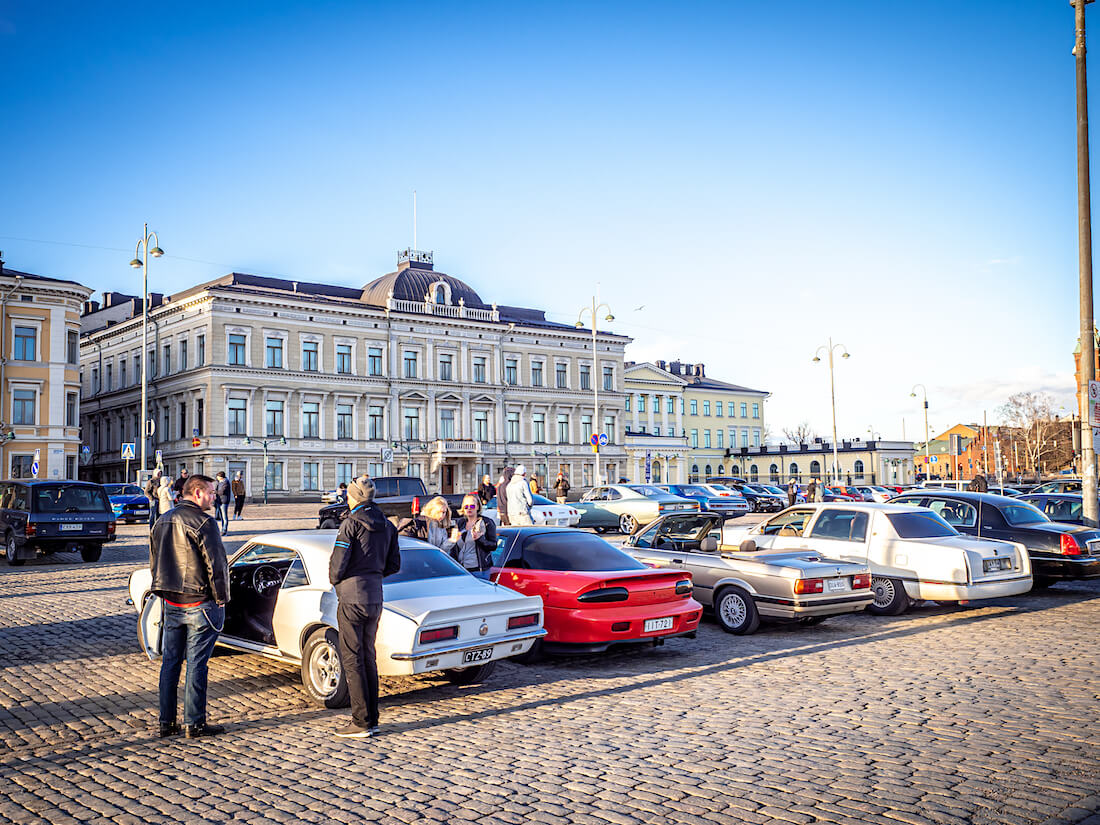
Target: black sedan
1058	551
1063	507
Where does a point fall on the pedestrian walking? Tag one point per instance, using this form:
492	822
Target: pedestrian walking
811	490
792	493
819	490
164	495
222	496
534	485
191	574
477	538
519	498
238	494
177	485
486	491
561	487
151	488
502	496
365	552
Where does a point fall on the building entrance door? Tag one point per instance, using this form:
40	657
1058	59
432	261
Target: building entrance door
447	484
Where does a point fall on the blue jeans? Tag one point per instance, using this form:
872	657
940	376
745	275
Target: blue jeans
221	513
189	633
153	513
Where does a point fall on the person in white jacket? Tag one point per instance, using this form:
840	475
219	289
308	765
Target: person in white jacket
165	496
519	498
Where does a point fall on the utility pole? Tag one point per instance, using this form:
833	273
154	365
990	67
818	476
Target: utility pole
1089	505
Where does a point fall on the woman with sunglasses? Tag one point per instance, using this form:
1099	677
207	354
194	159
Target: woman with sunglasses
477	538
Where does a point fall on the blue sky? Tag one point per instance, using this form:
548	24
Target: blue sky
742	179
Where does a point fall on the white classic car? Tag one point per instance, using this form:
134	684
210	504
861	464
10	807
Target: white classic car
543	512
436	616
913	554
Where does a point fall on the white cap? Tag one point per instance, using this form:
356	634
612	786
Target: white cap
521	470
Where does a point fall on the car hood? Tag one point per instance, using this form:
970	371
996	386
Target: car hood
805	562
453	597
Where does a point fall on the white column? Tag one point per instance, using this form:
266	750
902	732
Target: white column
634	411
664	415
652	401
679	416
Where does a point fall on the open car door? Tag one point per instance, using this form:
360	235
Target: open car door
151	627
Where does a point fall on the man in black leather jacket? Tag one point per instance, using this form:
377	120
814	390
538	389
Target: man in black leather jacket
191	575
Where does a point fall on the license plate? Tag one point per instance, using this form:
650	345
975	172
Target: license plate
658	624
837	584
72	526
995	565
482	654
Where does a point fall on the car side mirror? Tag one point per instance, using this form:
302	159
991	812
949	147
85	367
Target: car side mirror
748	546
709	545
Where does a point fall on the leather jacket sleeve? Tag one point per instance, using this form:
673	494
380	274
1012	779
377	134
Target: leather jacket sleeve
486	544
213	553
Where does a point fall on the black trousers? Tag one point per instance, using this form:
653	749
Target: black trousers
238	505
358	624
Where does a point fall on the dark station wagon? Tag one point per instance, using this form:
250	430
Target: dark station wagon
42	517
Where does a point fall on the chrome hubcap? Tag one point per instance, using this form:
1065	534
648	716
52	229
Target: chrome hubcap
10	548
324	669
883	590
733	610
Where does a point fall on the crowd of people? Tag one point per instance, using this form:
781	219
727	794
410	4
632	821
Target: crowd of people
164	493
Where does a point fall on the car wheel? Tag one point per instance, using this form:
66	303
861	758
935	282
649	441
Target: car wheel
11	551
330	524
736	611
627	524
470	675
91	552
752	506
322	675
890	597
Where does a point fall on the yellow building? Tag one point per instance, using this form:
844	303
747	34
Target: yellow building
39	374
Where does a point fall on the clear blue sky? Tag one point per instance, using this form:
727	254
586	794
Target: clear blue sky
742	179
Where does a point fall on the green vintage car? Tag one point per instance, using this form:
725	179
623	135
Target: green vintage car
624	507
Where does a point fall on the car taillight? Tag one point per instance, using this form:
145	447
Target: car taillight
416	506
861	580
440	634
604	594
1070	547
683	587
809	586
572	512
31	530
110	528
523	621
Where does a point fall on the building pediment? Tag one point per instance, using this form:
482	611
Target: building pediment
652	374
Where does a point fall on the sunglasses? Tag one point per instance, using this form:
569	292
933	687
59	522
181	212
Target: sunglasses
469	507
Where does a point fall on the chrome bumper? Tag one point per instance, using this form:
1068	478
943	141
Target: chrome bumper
458	648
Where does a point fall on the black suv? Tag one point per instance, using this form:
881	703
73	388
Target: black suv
42	517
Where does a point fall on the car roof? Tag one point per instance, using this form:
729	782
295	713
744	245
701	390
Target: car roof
962	495
859	505
315	546
33	481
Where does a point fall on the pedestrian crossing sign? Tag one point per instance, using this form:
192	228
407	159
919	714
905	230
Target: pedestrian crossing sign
129	450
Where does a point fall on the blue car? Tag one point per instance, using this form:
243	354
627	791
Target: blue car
128	502
730	506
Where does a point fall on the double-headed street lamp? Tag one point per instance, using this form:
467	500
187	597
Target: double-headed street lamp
141	261
596	375
924	394
281	442
831	348
408	447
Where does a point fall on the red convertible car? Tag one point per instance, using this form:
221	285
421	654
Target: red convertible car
594	595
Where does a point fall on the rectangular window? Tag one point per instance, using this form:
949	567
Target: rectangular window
627	402
374	361
609	428
561	371
586	429
235	356
21	466
311	419
183	420
122	373
694	438
273	353
374	423
512	435
756	438
671	407
23	403
718	408
309	356
536	374
586	377
70	409
343	359
641	403
410	364
446	423
744	438
95	379
412	424
166	419
238	415
376	469
706	439
273	418
755	410
479	370
744	410
200	416
608	378
25	344
538	428
152	363
446	367
201	353
720	435
108	379
563	428
72	346
274	475
511	371
345	472
70	467
706	408
167	359
310	475
481	426
183	355
344	421
694	407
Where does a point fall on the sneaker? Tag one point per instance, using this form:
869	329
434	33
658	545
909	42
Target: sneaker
353	731
168	729
195	731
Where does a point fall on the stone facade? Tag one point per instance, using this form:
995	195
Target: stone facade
859	462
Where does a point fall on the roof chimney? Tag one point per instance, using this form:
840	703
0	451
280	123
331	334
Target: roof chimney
674	367
699	371
661	365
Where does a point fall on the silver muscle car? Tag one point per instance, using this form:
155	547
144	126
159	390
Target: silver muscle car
744	583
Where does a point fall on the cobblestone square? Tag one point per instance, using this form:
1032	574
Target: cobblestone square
984	714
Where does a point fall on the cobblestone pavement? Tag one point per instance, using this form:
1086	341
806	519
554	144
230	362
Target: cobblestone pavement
945	715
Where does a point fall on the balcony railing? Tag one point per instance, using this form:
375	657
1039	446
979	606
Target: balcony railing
444	310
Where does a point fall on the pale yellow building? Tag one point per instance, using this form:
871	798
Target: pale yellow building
39	374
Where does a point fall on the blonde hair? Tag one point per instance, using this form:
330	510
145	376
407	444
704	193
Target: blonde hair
437	509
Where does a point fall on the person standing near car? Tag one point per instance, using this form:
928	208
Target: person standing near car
222	495
164	495
811	490
561	487
191	574
819	491
151	488
477	537
365	552
238	494
792	493
486	491
502	496
519	498
177	485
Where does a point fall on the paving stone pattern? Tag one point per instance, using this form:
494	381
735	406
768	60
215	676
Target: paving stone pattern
946	715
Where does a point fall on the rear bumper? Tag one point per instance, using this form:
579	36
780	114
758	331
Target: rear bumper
593	626
777	608
948	592
444	657
1066	567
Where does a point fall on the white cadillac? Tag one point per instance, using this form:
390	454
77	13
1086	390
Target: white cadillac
436	615
543	512
913	554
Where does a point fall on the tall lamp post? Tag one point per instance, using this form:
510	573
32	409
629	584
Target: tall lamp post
408	447
924	394
141	261
831	348
546	458
595	373
281	442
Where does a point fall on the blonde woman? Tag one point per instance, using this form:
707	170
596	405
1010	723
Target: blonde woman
477	537
433	525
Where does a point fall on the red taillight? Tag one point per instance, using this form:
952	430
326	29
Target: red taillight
110	528
31	530
416	506
523	621
440	634
1070	547
809	586
861	580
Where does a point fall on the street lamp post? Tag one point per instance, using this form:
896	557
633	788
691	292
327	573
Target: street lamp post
831	348
924	393
408	447
546	458
141	261
263	443
595	373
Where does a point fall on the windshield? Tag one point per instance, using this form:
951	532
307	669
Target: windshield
756	488
422	561
1022	513
648	490
920	525
542	500
574	551
123	490
59	498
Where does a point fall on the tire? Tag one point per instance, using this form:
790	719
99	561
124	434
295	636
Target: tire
470	675
627	524
736	611
11	551
1040	583
330	524
890	597
601	529
91	552
752	506
322	676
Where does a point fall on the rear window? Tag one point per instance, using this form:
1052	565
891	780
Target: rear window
385	487
1022	513
648	490
422	561
58	498
920	525
574	551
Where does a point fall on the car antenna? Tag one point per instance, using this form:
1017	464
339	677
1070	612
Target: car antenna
503	563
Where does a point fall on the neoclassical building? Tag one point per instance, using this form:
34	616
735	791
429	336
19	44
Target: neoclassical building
412	374
656	446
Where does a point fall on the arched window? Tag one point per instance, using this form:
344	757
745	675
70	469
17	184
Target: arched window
815	469
795	472
773	473
694	472
708	475
735	470
656	472
721	469
440	294
754	473
859	470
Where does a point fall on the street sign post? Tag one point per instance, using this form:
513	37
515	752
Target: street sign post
648	467
85	453
159	461
129	450
387	455
34	464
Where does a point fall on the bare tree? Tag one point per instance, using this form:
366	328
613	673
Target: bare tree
802	434
1031	415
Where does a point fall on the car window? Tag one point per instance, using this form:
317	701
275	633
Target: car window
541	500
955	513
647	490
686	528
1062	509
420	560
645	538
59	498
920	525
595	494
843	525
574	551
613	494
791	522
1022	513
296	575
264	554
